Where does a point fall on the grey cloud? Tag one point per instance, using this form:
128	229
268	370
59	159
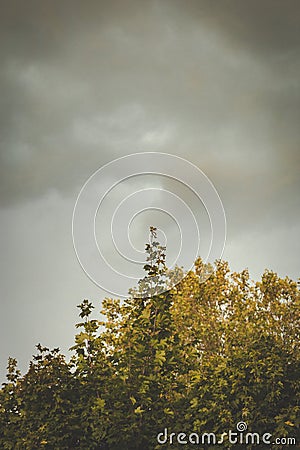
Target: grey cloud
83	83
267	28
169	60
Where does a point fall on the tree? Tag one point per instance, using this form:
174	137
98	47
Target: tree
214	350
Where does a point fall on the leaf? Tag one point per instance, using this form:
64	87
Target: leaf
133	400
139	410
169	412
194	402
160	357
289	423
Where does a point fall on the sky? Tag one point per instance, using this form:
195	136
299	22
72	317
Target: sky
84	83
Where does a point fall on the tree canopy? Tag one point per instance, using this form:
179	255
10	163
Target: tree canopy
201	357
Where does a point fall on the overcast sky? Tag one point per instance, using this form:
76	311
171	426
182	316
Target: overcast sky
85	82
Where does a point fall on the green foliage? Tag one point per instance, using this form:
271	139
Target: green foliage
155	281
199	357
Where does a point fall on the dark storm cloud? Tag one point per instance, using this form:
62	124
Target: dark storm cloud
84	82
74	73
50	80
269	28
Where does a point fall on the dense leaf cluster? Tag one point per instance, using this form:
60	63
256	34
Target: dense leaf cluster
200	357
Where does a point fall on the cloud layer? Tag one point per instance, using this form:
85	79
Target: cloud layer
83	83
